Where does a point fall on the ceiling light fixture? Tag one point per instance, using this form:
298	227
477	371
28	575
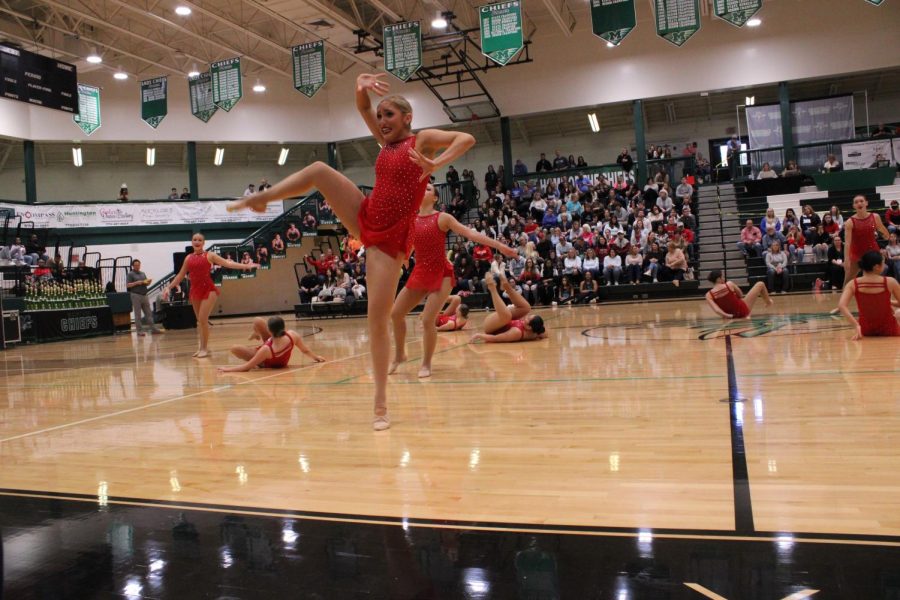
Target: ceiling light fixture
76	156
192	74
750	101
94	58
120	75
282	158
182	11
259	88
595	124
754	22
439	22
151	157
220	157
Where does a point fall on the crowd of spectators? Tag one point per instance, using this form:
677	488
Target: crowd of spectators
809	238
33	257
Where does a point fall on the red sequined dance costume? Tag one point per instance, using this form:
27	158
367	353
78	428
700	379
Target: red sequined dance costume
387	214
876	315
863	237
198	273
432	265
514	324
281	359
729	302
444	319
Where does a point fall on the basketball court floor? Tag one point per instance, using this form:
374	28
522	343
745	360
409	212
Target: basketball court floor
644	450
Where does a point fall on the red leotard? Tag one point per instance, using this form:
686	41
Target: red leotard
432	265
387	214
728	301
863	237
444	319
515	323
198	273
278	360
876	315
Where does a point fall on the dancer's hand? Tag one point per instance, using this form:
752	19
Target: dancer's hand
256	203
250	266
426	164
858	335
373	82
318	359
509	252
476	337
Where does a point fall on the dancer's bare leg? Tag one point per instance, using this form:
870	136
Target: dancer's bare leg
203	312
406	300
260	330
758	290
455	301
850	272
521	307
244	353
382	273
341	193
429	315
501	316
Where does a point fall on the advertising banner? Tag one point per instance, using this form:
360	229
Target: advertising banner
866	155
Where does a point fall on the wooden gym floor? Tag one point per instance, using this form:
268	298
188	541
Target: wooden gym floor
653	415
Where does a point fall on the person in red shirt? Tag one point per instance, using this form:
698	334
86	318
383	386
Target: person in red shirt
483	257
323	264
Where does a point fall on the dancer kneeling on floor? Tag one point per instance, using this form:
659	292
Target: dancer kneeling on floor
873	294
727	300
513	323
275	353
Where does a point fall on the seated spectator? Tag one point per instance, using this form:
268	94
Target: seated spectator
516	266
831	164
620	243
57	267
795	243
634	264
530	281
123	193
835	213
770	219
566	294
664	203
322	265
790	220
17	252
560	163
892	256
625	161
563	247
675	266
572	265
770	236
309	287
587	290
792	170
612	267
591	264
174	194
35	250
767	172
250	189
293	234
656	216
690	240
654	258
278	244
809	220
537	207
42	271
185	194
688	219
519	169
549	220
776	269
892	217
483	257
684	188
465	274
819	242
835	267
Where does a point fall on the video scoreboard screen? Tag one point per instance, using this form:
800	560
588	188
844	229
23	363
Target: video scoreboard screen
36	79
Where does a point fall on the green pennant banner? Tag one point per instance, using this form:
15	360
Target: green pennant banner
612	20
200	92
677	20
309	67
501	31
154	100
737	12
403	49
875	2
88	117
226	83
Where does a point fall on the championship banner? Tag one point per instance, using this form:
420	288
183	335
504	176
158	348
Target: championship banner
612	20
88	117
154	100
677	20
200	92
226	83
501	31
143	214
309	67
737	12
403	49
875	2
866	155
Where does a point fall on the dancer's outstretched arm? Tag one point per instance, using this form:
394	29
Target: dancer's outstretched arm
230	264
364	84
844	307
448	222
298	342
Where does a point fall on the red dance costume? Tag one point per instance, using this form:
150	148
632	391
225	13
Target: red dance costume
444	319
863	237
514	324
729	302
278	360
198	273
432	265
387	214
876	315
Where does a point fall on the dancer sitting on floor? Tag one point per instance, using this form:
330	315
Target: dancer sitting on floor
455	316
727	300
873	293
275	353
432	277
513	323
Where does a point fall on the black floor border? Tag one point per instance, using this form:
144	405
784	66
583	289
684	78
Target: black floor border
743	505
503	526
